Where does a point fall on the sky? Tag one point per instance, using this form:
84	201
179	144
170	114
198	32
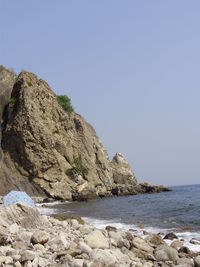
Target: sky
131	68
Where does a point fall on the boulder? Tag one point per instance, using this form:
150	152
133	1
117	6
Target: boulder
39	237
185	262
103	256
184	249
166	253
84	247
197	261
170	236
142	245
155	240
97	240
27	255
59	240
177	244
20	214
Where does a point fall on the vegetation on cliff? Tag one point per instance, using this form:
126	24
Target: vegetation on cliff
65	103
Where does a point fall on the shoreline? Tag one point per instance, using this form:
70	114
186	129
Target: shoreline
186	235
30	239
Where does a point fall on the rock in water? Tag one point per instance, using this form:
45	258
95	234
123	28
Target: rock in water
124	178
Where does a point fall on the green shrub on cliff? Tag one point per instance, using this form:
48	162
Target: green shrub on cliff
78	168
65	103
12	101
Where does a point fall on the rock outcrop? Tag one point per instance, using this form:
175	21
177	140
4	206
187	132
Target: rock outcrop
125	181
48	151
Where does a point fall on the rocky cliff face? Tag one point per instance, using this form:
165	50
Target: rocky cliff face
7	79
49	151
124	179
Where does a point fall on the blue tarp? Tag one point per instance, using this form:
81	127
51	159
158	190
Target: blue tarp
17	197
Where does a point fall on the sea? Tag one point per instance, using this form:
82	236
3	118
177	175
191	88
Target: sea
177	211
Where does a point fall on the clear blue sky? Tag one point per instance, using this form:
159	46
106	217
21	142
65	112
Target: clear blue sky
131	68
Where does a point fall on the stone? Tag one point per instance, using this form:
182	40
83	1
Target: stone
17	264
185	262
14	229
184	249
39	247
39	237
23	215
16	257
123	243
19	244
84	247
195	242
97	240
86	229
60	240
166	253
27	255
197	261
78	263
103	256
155	240
43	262
142	245
170	236
111	228
177	244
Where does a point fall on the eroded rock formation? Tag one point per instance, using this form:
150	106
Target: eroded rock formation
53	152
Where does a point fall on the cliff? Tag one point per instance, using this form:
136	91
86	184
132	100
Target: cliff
48	151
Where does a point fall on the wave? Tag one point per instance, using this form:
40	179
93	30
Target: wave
52	208
186	236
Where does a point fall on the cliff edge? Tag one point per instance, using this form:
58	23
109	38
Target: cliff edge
49	151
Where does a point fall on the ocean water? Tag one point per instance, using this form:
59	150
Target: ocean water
177	211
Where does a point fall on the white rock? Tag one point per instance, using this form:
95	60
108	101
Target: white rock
85	229
141	244
147	264
14	229
185	262
43	262
60	240
103	256
165	253
97	240
27	255
77	263
17	264
197	261
28	264
74	223
65	224
26	236
84	247
16	257
35	262
39	237
39	247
